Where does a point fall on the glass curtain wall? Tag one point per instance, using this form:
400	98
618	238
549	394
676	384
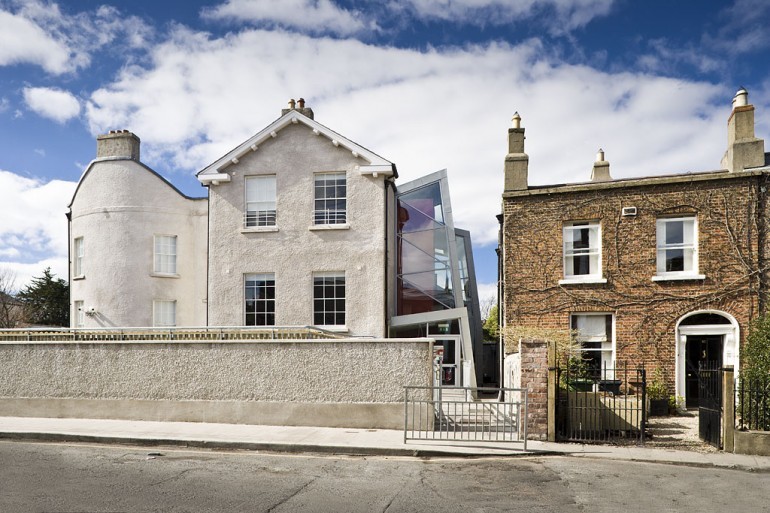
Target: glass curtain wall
424	264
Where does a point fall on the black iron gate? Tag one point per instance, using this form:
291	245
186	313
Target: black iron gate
710	403
601	405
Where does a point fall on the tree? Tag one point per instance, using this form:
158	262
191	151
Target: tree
491	327
11	308
47	300
756	353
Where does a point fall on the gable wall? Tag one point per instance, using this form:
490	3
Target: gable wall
295	251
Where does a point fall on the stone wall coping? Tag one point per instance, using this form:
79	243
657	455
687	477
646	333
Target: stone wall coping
318	341
636	182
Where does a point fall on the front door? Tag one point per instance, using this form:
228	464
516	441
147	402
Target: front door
700	349
450	360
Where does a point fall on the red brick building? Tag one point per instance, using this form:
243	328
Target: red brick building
663	271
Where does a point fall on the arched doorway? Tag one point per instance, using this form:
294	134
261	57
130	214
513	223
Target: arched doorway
703	336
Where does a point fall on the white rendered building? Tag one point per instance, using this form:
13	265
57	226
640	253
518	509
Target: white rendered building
301	227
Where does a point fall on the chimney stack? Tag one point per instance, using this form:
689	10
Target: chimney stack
516	161
743	149
601	170
118	144
299	106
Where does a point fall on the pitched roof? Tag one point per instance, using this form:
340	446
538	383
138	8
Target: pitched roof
213	173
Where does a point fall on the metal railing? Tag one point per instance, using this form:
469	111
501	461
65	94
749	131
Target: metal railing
330	216
752	405
258	218
175	333
601	405
451	413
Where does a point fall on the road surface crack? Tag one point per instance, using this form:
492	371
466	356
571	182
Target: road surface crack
294	494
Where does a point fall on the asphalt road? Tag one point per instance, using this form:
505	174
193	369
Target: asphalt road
54	478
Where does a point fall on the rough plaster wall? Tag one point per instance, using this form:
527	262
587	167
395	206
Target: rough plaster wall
358	371
117	209
294	252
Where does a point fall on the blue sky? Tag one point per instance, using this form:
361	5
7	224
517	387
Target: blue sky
428	84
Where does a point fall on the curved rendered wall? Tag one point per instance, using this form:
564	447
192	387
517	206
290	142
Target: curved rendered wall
118	208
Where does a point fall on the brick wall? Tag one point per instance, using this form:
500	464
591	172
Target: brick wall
534	378
730	212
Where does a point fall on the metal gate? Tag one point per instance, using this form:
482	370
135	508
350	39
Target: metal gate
601	405
452	413
710	403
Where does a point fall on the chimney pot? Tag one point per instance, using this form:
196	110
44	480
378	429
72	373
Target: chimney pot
516	120
741	98
301	103
601	169
292	104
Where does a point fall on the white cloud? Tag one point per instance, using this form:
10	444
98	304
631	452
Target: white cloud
23	41
39	33
312	16
426	111
558	15
52	103
33	231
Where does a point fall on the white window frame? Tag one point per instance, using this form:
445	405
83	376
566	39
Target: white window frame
607	350
339	315
78	250
325	216
80	314
164	255
593	252
260	195
264	277
689	227
164	313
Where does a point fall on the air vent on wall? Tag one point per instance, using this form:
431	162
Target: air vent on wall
628	211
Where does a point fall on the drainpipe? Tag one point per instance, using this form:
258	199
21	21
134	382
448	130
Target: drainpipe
69	261
387	289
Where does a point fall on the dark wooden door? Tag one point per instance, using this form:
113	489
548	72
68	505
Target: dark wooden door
700	350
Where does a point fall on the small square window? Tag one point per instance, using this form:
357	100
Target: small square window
164	313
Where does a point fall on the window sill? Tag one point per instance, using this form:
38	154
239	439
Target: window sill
164	275
678	277
321	227
582	281
259	229
79	277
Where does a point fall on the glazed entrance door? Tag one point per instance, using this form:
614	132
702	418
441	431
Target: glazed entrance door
450	361
700	350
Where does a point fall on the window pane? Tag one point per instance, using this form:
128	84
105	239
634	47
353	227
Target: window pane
260	299
330	199
165	254
260	201
328	299
674	232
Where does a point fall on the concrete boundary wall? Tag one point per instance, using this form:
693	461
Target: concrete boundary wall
331	383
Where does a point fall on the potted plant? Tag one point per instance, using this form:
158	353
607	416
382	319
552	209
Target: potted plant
657	394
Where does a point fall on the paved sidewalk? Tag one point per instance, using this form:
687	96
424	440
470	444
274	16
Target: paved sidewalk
339	441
